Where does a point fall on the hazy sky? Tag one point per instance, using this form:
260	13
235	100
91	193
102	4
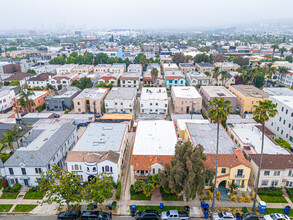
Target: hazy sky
34	14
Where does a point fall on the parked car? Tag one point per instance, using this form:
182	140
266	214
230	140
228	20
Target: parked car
147	215
223	216
92	214
276	216
250	216
174	215
70	214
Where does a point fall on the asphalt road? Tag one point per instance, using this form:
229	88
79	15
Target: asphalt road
27	217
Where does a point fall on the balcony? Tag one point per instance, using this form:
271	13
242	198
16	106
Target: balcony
91	172
239	176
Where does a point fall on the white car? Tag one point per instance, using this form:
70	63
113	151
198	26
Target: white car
276	216
223	216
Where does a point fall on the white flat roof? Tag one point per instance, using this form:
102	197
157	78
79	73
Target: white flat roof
278	91
217	91
286	100
37	115
36	95
151	93
157	137
186	92
249	134
182	122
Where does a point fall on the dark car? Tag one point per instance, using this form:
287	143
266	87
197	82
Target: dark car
91	214
250	216
147	215
70	214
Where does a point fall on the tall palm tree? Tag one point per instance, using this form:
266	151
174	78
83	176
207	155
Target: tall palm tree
25	100
154	74
224	75
216	72
13	135
274	46
262	113
282	51
218	112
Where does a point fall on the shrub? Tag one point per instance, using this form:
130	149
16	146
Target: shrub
233	198
35	189
138	186
118	191
4	157
244	209
239	200
66	111
245	199
4	183
209	194
218	197
218	194
243	195
41	108
251	193
16	187
90	206
132	191
271	191
148	189
283	143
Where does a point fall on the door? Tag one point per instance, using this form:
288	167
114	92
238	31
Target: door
25	182
187	109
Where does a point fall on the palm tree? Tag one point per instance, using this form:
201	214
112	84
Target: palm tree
25	101
291	50
218	112
13	135
274	46
282	51
233	187
283	70
224	75
216	72
154	74
262	113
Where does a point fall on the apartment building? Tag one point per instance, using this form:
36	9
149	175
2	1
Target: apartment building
82	69
130	79
153	48
286	78
276	170
40	80
247	97
169	66
90	100
282	123
135	68
121	100
21	77
47	144
110	78
154	101
204	67
186	100
38	98
62	99
208	93
7	94
186	68
102	68
65	69
119	68
153	147
227	66
100	149
174	78
46	69
60	81
197	79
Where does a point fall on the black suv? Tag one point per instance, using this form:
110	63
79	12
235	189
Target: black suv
70	214
250	216
148	214
91	214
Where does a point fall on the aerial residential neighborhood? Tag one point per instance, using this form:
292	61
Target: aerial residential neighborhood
146	110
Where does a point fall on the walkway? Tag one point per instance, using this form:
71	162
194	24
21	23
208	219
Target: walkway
156	195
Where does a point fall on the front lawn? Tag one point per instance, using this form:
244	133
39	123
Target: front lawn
5	207
270	211
139	196
24	208
141	208
273	199
34	195
235	210
9	195
170	197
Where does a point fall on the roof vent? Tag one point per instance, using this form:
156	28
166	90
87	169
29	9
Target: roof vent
32	157
17	156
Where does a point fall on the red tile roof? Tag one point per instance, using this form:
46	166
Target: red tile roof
19	76
144	162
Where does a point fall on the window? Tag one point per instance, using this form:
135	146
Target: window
284	122
23	171
289	125
280	119
266	173
166	105
286	111
38	170
272	123
290	173
111	170
277	128
223	170
154	171
78	103
240	172
107	168
94	169
11	171
103	169
274	183
282	109
276	173
252	102
264	183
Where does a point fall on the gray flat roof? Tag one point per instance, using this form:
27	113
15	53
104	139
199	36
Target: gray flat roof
102	137
217	91
250	91
121	93
238	119
186	116
278	91
93	93
206	135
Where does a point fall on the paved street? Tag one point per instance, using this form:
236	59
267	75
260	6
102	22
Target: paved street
27	217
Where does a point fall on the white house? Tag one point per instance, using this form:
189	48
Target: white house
130	79
47	144
285	78
120	100
135	68
65	69
40	80
46	69
99	150
7	94
154	100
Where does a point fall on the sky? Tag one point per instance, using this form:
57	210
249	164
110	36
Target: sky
138	14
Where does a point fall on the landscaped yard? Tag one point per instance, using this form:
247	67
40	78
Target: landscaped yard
166	208
140	196
235	210
170	197
273	199
24	208
34	195
9	195
5	207
269	211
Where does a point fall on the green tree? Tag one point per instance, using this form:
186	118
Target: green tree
199	58
11	48
242	61
232	187
14	83
274	46
216	73
207	73
224	75
219	58
218	112
154	74
289	59
61	186
259	80
178	58
31	71
25	100
138	186
186	173
262	113
82	83
99	189
282	51
13	135
101	85
58	60
148	189
101	58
